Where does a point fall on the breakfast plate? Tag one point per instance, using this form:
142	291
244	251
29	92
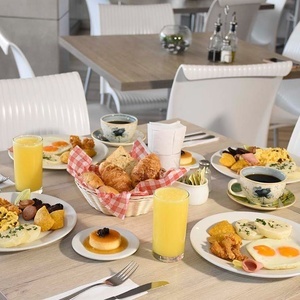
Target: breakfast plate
100	148
291	177
195	162
98	136
79	238
199	242
235	194
47	237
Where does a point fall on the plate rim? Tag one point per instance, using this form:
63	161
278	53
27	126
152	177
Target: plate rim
115	144
61	166
70	215
201	227
227	172
133	244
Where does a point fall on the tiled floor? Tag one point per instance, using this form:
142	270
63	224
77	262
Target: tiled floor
144	115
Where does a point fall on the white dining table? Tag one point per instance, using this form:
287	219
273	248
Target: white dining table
46	271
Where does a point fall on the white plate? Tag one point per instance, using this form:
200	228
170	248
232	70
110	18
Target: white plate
78	239
101	150
48	237
291	178
199	241
97	134
195	163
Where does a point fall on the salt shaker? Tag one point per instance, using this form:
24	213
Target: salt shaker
205	164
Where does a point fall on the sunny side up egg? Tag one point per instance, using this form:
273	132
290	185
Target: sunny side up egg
56	147
275	254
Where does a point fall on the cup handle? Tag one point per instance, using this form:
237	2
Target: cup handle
234	188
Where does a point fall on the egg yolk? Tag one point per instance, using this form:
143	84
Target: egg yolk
60	144
264	250
288	251
50	148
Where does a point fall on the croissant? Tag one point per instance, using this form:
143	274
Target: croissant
147	168
92	180
115	177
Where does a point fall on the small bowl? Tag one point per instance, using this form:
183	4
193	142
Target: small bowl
118	128
175	38
198	193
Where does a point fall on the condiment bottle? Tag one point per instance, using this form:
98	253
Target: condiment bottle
205	164
226	53
232	37
215	42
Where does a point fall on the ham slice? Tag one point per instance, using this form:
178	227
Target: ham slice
251	265
250	158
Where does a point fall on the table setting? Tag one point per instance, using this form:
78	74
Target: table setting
65	252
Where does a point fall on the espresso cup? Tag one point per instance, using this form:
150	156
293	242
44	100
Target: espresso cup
262	185
118	128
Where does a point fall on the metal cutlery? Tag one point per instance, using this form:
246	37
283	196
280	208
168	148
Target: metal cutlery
3	179
195	133
114	280
209	136
139	289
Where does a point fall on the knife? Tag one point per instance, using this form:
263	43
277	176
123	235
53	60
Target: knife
194	133
139	289
200	138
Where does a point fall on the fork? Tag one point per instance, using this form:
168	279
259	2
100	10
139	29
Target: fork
114	280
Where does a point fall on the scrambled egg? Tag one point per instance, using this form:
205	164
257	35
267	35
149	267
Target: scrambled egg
8	219
272	155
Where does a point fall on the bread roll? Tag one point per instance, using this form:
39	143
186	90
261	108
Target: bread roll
108	189
147	168
92	180
115	177
121	158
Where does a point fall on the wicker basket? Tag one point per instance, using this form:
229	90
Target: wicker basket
137	205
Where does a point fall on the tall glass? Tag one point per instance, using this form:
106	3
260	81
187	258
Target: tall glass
28	162
170	212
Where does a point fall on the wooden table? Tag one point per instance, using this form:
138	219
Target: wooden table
183	6
47	271
133	62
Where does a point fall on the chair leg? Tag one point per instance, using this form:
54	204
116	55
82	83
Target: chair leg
275	137
87	79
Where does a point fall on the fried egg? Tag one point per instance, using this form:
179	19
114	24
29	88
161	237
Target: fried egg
55	146
275	254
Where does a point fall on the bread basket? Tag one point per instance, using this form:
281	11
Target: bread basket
138	205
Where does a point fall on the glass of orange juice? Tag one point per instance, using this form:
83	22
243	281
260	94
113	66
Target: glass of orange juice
28	162
170	212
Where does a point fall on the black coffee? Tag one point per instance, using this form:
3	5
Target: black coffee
119	122
263	178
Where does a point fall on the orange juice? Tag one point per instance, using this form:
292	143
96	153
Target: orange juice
170	211
28	162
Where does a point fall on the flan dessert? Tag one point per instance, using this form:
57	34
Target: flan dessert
186	157
105	239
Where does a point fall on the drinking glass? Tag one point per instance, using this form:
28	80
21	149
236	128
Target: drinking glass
170	212
28	162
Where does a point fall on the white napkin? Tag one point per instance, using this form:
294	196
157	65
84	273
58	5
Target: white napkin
101	292
6	183
166	141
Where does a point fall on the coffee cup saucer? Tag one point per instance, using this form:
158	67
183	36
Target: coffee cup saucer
235	193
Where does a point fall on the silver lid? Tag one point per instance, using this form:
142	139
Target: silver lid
204	163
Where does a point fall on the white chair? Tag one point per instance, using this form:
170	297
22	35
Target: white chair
24	68
287	104
130	19
53	104
246	11
264	31
233	100
294	143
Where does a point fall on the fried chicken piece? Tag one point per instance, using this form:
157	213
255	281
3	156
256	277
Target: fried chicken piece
88	143
75	141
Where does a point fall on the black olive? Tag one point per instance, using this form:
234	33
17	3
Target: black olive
57	206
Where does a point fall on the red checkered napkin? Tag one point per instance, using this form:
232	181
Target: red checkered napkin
80	162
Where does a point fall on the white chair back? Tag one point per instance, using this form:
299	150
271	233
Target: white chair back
134	19
294	144
53	104
234	100
264	31
292	47
246	11
24	68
